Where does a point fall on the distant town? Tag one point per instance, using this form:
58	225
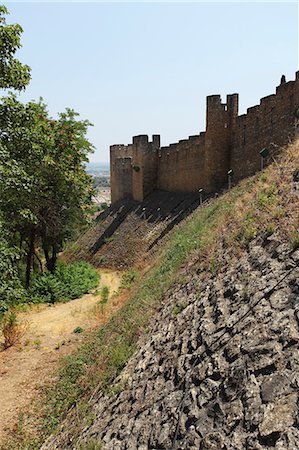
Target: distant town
101	180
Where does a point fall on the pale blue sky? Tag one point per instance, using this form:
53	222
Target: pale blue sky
146	68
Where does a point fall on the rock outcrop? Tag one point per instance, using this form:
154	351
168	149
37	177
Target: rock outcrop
219	368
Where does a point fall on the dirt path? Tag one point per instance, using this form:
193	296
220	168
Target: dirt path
49	335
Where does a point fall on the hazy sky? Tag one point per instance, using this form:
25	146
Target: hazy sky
146	68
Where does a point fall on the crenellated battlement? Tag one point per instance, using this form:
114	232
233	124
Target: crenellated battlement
202	161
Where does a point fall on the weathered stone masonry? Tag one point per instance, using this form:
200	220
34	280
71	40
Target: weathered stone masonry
202	161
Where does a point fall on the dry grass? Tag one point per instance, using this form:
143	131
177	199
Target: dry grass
36	339
259	206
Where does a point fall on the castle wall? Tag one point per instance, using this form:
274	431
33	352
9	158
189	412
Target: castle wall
221	118
181	165
271	124
144	166
202	161
120	171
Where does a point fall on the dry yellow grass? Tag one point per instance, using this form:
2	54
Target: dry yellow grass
47	335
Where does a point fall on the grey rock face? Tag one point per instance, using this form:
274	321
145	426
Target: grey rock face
221	374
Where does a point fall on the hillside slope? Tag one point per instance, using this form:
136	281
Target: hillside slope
218	367
127	225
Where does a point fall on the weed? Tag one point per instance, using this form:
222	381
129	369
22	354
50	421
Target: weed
278	212
295	240
270	228
102	259
128	278
59	344
178	308
91	444
107	240
37	343
214	264
11	329
267	196
115	389
104	297
78	330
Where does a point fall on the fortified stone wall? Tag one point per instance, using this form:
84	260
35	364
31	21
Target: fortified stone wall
271	124
202	161
181	165
120	171
144	166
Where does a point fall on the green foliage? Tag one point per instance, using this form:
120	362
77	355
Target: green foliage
115	389
11	289
45	193
68	282
248	229
104	297
128	278
270	229
78	330
13	74
178	308
295	240
267	196
91	444
101	181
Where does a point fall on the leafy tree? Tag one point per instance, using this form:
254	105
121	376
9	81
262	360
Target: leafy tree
24	137
13	74
44	189
68	202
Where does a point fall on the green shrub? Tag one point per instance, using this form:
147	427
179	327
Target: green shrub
67	283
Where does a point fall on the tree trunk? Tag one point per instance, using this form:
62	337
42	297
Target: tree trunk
29	256
46	252
51	260
39	261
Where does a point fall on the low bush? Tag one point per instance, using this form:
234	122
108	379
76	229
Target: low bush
67	283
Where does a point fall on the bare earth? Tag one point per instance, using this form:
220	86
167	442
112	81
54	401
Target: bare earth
47	337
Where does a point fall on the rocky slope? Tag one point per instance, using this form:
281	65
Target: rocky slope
220	368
